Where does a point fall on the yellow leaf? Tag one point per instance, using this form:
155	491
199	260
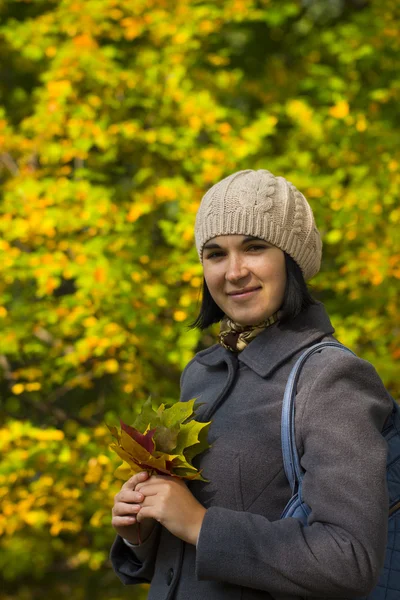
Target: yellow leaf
33	387
125	471
180	315
340	110
17	389
111	365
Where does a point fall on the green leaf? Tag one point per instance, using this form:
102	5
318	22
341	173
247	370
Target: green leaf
189	435
173	442
146	417
202	444
185	473
177	413
166	439
180	462
114	432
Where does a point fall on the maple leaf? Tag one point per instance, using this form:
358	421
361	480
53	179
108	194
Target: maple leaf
177	413
166	438
145	440
139	458
146	417
163	441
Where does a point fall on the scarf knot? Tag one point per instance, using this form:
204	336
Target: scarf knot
235	337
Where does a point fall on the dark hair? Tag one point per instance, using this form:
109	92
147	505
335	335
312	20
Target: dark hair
297	297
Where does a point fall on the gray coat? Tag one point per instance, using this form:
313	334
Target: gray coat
244	550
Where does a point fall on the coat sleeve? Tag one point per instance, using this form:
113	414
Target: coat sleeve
134	568
343	406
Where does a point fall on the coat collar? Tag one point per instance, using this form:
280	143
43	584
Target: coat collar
277	344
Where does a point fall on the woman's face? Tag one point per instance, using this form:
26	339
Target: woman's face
246	277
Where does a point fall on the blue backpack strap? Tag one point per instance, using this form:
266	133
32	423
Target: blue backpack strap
291	461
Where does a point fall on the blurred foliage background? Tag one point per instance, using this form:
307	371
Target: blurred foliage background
115	117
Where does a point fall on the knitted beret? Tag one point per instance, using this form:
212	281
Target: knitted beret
259	204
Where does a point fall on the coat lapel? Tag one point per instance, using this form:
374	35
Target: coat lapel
278	343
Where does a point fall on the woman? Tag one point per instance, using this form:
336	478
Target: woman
257	240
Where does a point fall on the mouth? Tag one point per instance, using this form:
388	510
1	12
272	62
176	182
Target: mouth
245	293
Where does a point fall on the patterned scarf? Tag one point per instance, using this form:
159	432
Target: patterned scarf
235	337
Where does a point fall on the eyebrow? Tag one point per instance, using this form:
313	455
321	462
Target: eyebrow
249	238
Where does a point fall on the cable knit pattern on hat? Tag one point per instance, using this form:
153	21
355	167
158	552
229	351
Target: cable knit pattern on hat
260	204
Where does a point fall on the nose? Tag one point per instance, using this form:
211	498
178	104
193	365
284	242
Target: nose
236	269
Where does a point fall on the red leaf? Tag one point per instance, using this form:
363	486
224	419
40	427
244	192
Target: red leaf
145	440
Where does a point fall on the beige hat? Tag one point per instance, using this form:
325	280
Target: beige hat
271	208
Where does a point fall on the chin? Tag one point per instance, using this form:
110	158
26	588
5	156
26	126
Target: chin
244	321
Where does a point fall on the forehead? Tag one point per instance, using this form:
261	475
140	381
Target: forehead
223	241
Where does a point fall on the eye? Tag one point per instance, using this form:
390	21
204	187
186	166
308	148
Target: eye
215	254
257	247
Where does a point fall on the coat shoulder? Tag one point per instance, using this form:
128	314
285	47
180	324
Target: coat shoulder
333	377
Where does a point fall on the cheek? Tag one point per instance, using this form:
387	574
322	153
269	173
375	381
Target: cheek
213	279
280	276
281	281
281	287
276	275
281	290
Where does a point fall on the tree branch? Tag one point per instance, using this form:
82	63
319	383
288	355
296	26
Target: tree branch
9	163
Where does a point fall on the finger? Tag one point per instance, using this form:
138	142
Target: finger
129	496
123	521
134	480
139	486
122	509
151	489
154	479
159	478
148	512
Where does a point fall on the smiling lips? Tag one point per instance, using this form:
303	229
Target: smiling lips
245	293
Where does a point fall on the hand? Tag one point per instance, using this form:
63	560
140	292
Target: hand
168	500
125	509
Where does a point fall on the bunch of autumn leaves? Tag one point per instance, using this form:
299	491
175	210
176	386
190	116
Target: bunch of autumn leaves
162	441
